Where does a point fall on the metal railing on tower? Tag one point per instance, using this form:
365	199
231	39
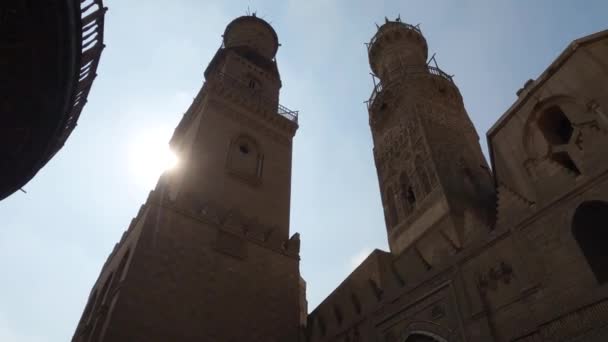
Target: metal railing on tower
254	94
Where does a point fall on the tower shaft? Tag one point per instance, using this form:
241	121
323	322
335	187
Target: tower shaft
209	257
421	130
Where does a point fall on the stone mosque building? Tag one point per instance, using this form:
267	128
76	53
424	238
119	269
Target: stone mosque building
511	251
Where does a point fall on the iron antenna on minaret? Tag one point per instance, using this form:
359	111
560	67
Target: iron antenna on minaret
251	13
432	59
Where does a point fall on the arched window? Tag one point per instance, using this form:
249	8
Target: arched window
99	327
322	325
557	130
356	303
422	174
121	267
104	298
389	207
408	200
245	159
590	229
555	126
89	308
253	84
420	338
103	295
338	314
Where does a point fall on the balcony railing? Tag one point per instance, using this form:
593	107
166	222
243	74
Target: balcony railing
91	44
255	94
288	113
403	73
381	32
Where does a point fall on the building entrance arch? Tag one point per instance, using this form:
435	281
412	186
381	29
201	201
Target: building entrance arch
423	336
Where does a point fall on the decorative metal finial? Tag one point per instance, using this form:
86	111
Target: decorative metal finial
250	13
386	19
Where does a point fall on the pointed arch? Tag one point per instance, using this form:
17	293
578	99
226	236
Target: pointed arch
422	174
389	207
590	230
356	302
555	125
120	271
551	126
423	336
246	159
408	200
426	331
89	308
103	295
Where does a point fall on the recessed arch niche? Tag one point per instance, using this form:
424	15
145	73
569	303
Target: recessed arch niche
246	159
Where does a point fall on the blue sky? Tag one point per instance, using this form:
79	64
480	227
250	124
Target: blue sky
55	238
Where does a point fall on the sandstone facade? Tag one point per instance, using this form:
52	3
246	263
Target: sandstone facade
517	254
512	251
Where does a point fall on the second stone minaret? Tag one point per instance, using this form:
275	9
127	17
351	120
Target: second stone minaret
435	183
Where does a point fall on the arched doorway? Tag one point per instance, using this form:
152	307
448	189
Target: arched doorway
590	230
420	338
423	336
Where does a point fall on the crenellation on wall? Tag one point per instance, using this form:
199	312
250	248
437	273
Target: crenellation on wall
512	207
187	250
248	228
356	297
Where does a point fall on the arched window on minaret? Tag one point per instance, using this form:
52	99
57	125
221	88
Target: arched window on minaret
245	159
253	82
89	309
390	209
408	200
104	294
422	174
120	271
104	299
590	230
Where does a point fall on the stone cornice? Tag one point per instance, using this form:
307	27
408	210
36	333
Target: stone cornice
233	222
264	109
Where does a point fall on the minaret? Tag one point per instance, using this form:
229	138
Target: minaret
435	183
209	257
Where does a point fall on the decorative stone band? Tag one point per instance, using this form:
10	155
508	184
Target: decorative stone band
388	27
233	222
403	73
230	81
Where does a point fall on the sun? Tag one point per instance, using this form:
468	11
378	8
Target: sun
150	156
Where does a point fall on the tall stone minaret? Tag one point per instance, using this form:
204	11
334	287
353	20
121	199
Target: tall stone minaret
209	257
435	183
